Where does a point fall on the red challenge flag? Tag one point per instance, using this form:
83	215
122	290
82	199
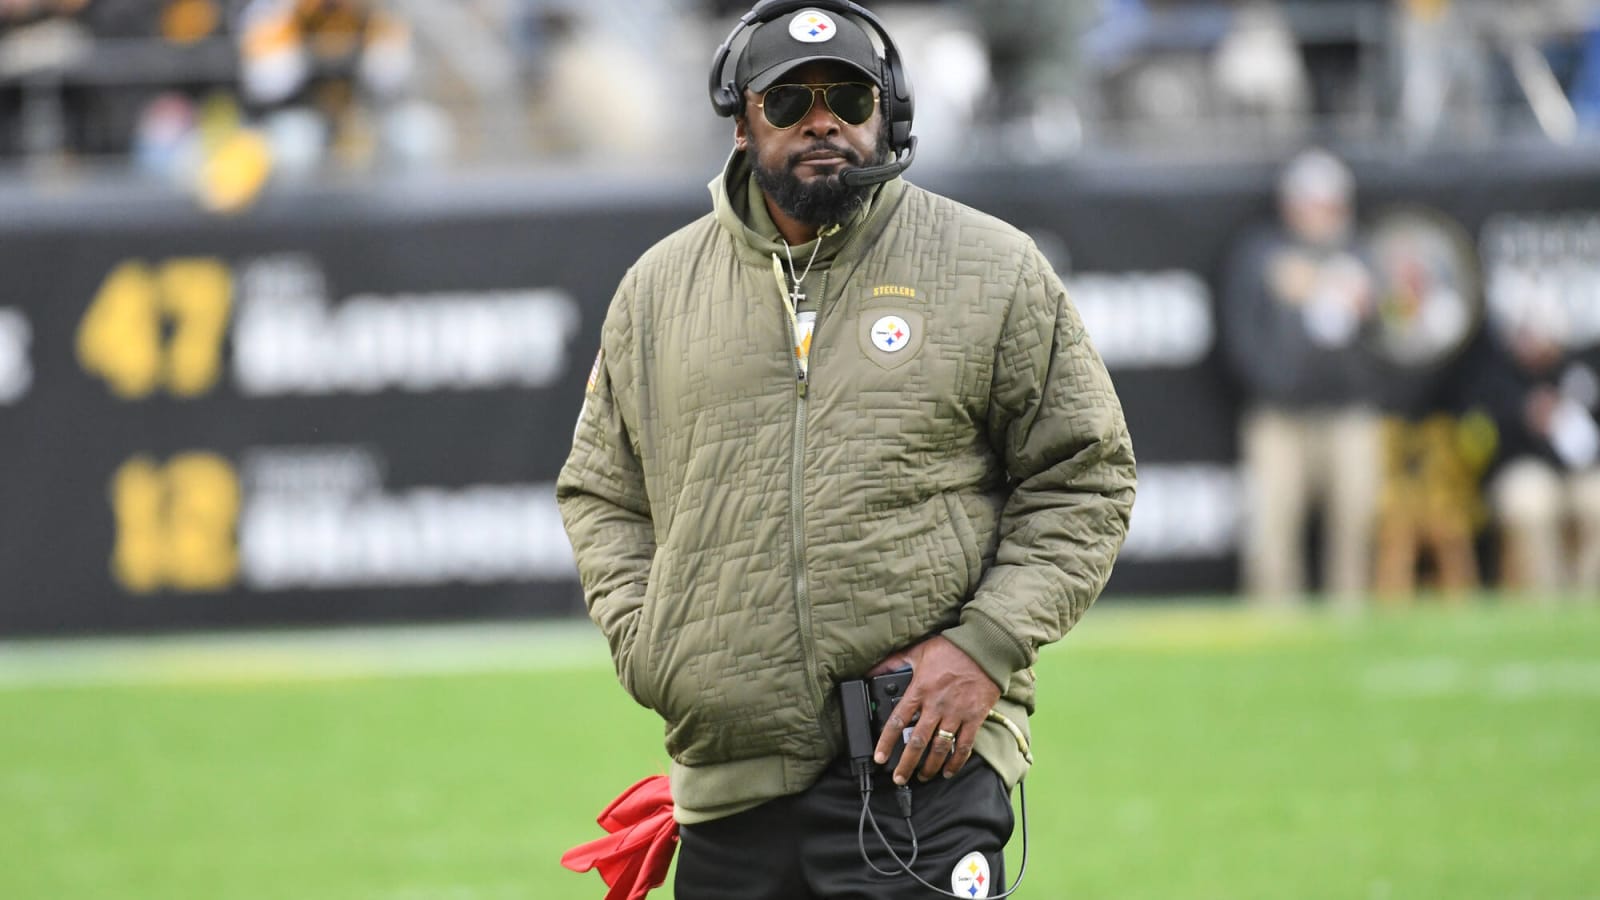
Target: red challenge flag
636	852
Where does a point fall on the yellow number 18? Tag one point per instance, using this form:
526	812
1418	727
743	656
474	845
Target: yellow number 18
176	524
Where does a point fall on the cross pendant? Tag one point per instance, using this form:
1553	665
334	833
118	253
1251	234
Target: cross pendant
796	296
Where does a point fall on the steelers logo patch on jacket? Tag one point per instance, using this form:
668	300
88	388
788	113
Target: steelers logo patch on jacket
890	337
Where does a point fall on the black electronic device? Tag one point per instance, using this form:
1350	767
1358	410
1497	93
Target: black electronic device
884	693
865	707
855	709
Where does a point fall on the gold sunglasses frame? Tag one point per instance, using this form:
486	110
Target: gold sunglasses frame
816	90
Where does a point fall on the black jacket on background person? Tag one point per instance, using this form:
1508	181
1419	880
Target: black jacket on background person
1271	349
1503	387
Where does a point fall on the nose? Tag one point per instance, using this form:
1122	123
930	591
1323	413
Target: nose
819	121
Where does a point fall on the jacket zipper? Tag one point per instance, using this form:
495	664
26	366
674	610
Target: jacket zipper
802	586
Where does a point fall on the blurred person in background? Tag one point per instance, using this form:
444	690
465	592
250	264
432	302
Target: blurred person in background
40	40
1151	60
1259	71
1299	310
1174	67
1545	493
1444	70
599	94
955	115
1436	447
175	112
837	427
1036	73
89	72
317	73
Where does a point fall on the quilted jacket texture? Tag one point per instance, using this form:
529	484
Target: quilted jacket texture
746	539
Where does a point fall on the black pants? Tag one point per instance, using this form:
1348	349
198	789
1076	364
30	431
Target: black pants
803	847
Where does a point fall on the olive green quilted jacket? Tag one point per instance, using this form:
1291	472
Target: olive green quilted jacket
953	459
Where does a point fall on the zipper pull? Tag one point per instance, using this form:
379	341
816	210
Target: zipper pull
800	382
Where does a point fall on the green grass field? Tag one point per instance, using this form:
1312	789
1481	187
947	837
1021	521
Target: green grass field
1185	752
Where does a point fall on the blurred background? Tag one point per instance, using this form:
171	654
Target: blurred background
297	303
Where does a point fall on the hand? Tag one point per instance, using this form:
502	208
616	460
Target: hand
951	693
1292	277
1353	284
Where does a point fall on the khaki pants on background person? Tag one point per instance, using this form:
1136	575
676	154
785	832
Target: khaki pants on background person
1297	463
1534	503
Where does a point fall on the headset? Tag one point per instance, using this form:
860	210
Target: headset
898	103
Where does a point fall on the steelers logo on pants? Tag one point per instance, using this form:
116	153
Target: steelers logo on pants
970	878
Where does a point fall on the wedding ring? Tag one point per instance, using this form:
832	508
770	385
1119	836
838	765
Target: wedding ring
943	735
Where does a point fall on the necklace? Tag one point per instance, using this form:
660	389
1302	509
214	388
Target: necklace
797	296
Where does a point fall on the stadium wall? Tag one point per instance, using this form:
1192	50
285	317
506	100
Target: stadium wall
349	404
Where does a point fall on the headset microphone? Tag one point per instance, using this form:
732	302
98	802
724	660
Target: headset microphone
866	175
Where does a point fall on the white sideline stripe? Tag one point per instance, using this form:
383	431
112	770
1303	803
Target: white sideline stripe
1519	680
282	657
277	657
1193	627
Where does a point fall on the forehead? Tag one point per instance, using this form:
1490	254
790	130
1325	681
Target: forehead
822	72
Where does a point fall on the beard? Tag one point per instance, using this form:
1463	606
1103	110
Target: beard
824	199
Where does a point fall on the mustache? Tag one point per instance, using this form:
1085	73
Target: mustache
850	156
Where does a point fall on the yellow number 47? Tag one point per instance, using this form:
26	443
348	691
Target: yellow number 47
123	335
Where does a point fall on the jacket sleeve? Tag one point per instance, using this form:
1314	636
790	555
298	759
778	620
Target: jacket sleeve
1056	422
602	497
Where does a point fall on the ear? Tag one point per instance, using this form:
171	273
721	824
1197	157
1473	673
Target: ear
741	135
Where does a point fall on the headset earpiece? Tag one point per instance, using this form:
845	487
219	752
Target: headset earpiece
901	104
726	100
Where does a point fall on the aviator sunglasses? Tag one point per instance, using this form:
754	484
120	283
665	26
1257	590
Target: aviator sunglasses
851	102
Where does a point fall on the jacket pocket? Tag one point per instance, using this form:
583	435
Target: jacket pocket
636	678
971	557
642	680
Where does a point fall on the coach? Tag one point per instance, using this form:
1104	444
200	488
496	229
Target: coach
837	426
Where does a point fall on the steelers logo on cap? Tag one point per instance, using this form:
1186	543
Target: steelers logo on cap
811	27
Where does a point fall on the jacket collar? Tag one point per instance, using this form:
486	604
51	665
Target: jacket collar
742	213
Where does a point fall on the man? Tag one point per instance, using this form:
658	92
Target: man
1299	330
1544	396
837	428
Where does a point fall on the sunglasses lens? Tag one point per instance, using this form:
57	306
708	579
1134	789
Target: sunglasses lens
786	104
852	103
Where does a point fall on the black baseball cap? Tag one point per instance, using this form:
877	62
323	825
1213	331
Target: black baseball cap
810	35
